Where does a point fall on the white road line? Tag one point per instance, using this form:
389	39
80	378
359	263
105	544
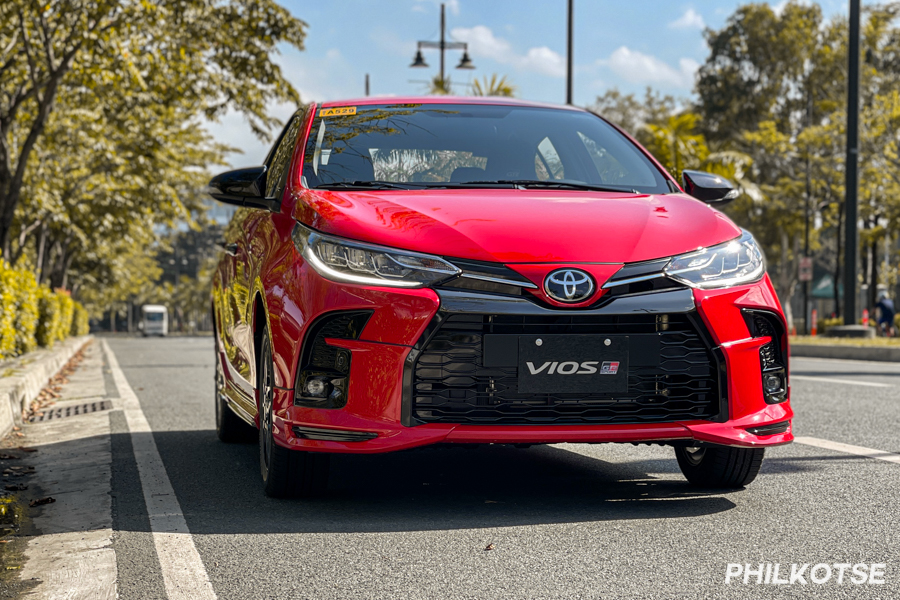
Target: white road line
848	449
184	575
826	379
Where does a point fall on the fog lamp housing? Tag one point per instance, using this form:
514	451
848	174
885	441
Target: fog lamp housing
323	375
772	354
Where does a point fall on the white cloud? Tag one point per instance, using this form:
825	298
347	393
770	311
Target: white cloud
637	67
691	19
483	43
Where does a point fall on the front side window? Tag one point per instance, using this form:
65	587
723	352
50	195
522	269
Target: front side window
280	158
442	145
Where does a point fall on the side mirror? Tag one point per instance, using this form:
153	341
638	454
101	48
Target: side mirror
242	187
708	188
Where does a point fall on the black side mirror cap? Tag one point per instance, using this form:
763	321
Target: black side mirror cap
242	187
708	188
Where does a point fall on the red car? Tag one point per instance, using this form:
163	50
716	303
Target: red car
485	271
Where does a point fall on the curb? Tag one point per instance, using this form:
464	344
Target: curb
873	353
19	389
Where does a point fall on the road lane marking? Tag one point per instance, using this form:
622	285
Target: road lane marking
848	449
826	379
184	575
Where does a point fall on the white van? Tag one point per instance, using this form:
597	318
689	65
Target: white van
154	320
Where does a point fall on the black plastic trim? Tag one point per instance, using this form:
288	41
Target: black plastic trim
487	269
305	368
780	344
332	435
666	301
641	269
770	429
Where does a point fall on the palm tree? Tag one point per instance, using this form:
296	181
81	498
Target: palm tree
440	87
495	86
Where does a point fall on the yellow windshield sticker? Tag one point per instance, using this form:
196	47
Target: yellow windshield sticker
341	111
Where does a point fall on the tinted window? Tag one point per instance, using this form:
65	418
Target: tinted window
432	143
280	158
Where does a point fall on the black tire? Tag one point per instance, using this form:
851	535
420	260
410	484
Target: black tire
230	428
720	466
285	473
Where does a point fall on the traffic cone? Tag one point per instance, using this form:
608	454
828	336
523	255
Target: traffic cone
815	322
865	318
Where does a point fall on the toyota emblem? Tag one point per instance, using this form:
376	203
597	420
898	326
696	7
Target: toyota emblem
569	285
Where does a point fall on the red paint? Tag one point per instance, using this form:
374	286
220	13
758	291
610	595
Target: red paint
520	226
531	232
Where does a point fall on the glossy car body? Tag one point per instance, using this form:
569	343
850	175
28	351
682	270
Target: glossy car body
265	286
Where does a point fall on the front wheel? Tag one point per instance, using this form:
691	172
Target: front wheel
285	473
719	466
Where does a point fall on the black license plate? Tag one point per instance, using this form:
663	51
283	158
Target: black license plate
573	364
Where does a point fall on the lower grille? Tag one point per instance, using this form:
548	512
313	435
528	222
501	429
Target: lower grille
678	381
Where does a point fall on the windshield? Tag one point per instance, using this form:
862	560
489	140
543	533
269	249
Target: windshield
465	145
153	316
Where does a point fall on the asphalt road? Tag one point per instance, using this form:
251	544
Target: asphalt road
564	521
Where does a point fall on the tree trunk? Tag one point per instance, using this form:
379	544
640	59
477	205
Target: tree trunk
40	251
837	260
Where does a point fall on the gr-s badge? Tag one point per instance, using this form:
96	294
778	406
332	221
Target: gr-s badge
569	367
569	285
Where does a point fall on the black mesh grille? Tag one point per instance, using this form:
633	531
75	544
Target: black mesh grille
451	385
345	326
761	325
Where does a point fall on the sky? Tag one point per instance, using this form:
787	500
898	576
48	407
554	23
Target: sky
627	45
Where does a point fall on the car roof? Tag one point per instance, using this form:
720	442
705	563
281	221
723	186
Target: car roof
495	100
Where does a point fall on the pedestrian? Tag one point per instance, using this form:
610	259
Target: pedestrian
886	317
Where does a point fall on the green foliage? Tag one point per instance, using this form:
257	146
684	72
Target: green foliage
26	311
8	285
493	86
770	116
440	87
102	104
824	325
18	311
32	314
66	312
80	321
48	317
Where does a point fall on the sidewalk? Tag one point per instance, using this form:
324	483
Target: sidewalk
69	541
22	378
846	352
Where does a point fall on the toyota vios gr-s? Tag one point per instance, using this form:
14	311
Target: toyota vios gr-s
434	270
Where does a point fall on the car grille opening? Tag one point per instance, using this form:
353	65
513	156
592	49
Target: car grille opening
681	381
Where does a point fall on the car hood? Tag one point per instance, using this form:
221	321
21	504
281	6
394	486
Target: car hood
520	226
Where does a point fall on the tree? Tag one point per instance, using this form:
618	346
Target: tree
493	86
632	114
440	87
774	89
206	58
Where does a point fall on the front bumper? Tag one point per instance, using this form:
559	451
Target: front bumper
380	415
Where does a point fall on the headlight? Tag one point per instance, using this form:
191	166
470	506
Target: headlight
732	263
354	262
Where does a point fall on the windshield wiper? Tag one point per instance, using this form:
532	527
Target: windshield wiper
566	185
365	185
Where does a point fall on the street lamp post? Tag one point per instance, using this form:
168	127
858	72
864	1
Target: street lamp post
851	169
464	63
569	28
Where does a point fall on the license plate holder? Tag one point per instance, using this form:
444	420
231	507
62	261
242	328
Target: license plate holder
573	364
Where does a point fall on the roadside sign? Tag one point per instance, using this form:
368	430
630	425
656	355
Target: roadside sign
805	271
